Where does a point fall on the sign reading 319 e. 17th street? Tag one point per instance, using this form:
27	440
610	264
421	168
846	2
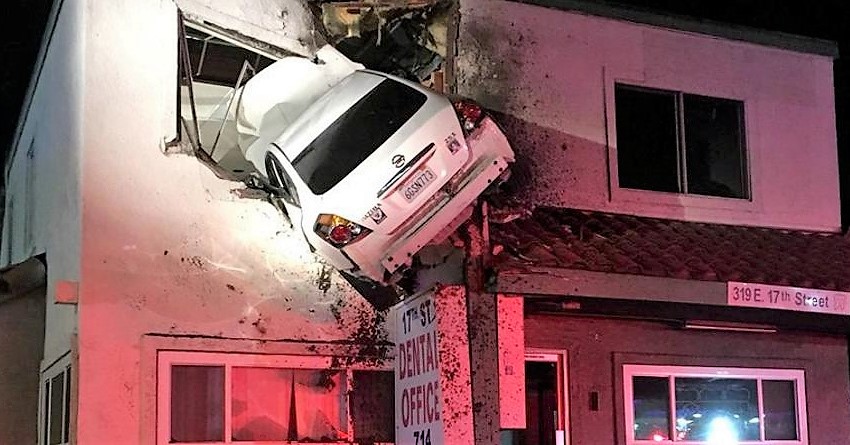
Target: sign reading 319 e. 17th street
767	296
418	416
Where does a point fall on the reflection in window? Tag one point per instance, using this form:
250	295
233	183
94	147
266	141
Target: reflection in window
716	410
271	404
652	408
262	401
713	406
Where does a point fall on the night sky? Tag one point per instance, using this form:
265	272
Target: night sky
23	24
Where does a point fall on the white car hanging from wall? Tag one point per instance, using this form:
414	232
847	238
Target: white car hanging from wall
367	166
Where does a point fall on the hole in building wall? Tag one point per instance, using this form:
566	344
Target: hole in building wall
262	115
406	39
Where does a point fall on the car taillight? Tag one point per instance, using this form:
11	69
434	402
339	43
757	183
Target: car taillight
469	114
339	231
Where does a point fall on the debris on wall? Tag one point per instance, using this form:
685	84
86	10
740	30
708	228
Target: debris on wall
238	100
406	39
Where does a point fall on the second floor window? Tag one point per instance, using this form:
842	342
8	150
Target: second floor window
675	142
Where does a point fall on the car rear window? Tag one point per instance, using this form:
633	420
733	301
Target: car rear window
357	134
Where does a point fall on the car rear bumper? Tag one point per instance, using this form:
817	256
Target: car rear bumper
381	256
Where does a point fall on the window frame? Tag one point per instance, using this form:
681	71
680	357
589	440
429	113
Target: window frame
620	194
166	359
680	123
758	374
61	367
188	130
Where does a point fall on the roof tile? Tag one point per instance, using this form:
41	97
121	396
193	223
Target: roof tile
603	242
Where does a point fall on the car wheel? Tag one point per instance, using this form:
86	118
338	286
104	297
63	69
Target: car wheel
379	296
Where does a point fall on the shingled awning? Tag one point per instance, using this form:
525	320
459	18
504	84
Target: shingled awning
558	238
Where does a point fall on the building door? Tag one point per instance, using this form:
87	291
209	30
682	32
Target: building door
546	400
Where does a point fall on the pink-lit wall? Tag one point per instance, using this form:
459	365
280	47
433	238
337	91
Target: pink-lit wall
167	247
552	74
598	348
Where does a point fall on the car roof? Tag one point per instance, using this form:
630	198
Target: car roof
327	109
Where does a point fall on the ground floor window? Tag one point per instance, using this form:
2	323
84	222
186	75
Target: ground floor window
244	398
55	412
699	405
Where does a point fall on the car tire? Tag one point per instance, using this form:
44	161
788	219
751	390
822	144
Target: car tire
379	296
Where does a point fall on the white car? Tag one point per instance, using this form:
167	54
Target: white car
378	167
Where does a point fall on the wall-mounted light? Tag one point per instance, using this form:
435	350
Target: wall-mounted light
729	326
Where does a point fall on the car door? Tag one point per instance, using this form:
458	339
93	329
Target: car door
284	190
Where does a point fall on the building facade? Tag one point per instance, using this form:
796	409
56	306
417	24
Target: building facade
172	300
670	267
666	264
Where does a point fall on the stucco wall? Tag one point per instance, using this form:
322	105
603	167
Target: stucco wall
168	247
42	208
552	74
597	349
21	343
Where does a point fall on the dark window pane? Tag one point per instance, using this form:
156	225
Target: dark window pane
780	410
67	417
716	410
46	412
357	134
651	407
715	147
647	148
56	403
220	62
197	403
372	401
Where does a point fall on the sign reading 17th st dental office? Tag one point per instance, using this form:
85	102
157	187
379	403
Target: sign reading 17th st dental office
418	415
787	298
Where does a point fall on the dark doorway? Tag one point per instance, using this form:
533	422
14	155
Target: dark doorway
541	404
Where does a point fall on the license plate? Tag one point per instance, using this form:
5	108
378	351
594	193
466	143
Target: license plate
419	182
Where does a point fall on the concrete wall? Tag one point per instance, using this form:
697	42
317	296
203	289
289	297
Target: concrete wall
597	348
551	74
21	346
170	249
42	208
